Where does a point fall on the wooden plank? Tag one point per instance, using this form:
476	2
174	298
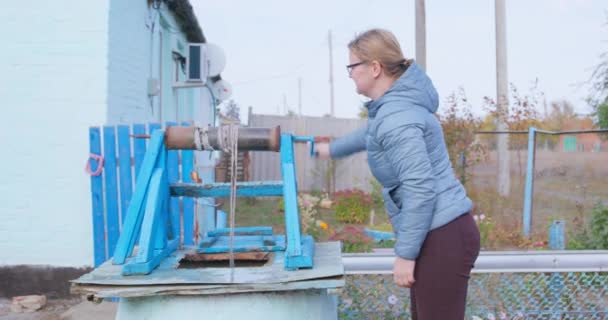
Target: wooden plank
327	263
161	231
134	213
152	217
187	168
265	230
148	266
303	260
173	177
244	189
139	146
124	166
240	256
111	187
99	243
245	243
101	292
290	197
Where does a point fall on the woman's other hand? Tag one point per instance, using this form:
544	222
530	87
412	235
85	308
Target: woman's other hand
403	272
322	150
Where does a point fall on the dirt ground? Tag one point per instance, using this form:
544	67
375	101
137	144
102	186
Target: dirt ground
62	309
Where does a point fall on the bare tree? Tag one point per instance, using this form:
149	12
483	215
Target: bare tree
232	110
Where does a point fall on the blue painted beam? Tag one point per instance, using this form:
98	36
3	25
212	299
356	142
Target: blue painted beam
242	231
139	146
124	166
290	198
246	244
218	190
133	268
305	259
134	217
254	247
222	217
111	187
173	177
188	203
99	242
152	218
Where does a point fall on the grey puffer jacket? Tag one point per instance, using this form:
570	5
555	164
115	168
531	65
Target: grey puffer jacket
408	156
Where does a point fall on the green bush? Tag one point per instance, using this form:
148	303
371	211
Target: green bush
353	239
352	206
594	236
376	194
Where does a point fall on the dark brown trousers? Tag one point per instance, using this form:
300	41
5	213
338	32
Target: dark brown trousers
443	269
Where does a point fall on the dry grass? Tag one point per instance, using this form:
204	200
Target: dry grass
567	185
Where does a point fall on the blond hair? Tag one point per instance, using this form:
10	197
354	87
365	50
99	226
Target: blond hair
380	45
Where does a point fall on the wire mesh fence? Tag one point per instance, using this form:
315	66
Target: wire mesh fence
573	295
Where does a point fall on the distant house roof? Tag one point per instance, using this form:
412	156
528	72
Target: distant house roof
187	20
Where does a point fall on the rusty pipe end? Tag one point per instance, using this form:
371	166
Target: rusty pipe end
180	138
275	139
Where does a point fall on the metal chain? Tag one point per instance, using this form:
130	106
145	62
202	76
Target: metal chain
233	143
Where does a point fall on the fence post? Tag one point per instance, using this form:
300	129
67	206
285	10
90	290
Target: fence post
463	167
556	235
529	181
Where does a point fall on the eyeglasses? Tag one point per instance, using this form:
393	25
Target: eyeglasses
350	67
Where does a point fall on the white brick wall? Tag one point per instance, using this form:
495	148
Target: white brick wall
129	62
64	66
53	86
135	56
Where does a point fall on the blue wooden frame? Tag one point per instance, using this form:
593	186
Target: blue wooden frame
299	250
123	149
151	215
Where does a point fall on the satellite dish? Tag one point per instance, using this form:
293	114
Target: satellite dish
216	58
222	90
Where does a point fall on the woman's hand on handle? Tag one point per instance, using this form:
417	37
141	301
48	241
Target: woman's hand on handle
322	150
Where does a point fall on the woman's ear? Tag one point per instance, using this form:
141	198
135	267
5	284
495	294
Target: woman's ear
376	68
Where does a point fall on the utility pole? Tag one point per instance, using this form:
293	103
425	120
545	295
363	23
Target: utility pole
502	98
421	34
300	96
331	76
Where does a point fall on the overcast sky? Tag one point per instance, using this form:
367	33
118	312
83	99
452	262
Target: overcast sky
270	44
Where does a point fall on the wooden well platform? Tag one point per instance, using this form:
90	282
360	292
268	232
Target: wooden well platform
261	290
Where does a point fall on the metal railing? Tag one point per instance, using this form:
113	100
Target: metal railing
504	285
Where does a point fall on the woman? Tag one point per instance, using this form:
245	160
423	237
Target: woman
437	240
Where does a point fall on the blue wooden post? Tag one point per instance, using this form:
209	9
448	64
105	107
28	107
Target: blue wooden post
173	176
139	146
111	187
221	219
290	196
160	227
99	242
300	250
124	165
132	223
556	282
527	214
187	167
556	235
